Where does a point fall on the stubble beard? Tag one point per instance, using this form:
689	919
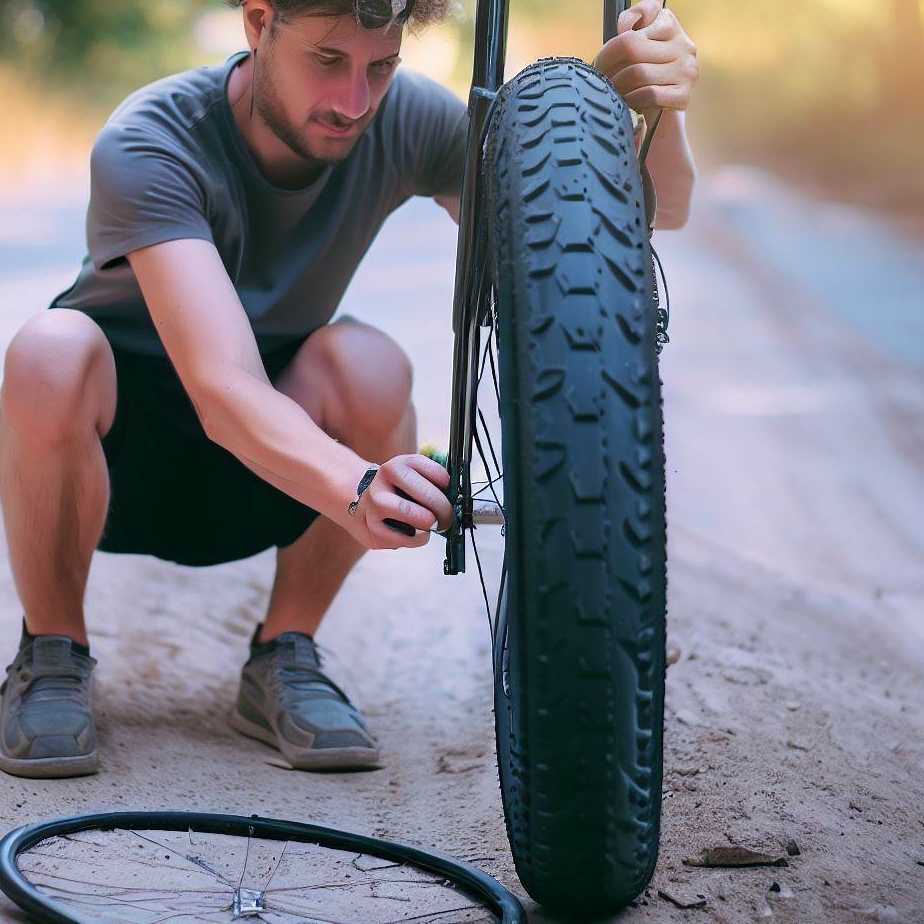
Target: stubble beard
266	102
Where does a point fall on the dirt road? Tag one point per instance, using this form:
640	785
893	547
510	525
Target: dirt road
794	395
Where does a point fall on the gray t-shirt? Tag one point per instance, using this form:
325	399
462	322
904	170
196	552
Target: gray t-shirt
171	163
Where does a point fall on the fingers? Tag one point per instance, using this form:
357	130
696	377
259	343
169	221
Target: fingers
428	495
406	516
633	48
651	66
408	489
400	505
638	16
660	97
431	470
662	27
637	76
384	504
384	537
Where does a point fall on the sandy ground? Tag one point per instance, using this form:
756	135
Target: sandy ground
795	443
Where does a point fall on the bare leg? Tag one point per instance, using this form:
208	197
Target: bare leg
58	395
310	572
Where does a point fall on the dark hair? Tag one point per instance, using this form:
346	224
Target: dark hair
371	14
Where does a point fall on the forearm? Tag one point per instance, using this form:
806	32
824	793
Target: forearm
277	440
670	163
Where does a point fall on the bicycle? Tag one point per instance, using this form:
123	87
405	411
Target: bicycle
555	265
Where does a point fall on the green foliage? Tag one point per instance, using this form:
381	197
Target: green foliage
106	47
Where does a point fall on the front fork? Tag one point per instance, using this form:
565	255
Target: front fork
469	306
471	303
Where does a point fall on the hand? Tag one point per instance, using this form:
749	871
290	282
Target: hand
650	61
424	482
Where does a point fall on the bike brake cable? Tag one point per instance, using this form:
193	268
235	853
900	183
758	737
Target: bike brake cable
646	144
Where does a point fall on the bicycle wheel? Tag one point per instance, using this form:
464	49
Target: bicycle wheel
147	867
580	634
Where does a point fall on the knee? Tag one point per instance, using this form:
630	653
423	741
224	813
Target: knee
45	393
372	378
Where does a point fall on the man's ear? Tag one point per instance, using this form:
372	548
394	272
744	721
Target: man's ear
255	20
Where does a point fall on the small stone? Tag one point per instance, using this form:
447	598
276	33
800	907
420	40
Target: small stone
792	848
781	891
734	856
683	901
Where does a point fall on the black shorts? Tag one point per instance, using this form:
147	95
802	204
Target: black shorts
174	493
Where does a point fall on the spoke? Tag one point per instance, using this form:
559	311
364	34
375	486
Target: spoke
69	869
484	356
484	591
500	619
246	858
487	468
276	867
201	864
494	371
487	484
487	434
493	474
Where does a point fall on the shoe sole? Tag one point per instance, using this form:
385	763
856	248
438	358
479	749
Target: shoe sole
322	759
46	768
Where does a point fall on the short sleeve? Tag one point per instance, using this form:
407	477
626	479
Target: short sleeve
430	131
141	193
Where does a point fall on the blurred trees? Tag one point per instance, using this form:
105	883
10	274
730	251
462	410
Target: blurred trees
106	46
831	91
907	66
834	88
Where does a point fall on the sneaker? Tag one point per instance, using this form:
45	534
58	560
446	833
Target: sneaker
287	701
46	723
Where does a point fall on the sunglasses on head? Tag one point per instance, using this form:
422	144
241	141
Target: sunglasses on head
373	14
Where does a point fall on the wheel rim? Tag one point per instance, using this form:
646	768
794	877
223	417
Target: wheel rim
177	866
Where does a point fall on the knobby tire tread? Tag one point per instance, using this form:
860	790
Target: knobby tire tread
580	740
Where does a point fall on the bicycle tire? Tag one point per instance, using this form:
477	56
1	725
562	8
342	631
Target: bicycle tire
43	907
580	735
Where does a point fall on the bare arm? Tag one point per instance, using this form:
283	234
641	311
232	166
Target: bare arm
209	339
670	163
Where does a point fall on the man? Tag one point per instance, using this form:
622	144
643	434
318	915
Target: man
187	397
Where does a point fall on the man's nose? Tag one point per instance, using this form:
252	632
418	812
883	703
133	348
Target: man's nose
352	100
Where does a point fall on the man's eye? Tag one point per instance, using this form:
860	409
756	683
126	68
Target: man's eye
386	67
325	61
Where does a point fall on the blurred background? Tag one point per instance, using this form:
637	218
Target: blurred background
829	93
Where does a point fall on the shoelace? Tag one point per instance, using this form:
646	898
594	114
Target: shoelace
325	653
294	676
290	676
50	683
